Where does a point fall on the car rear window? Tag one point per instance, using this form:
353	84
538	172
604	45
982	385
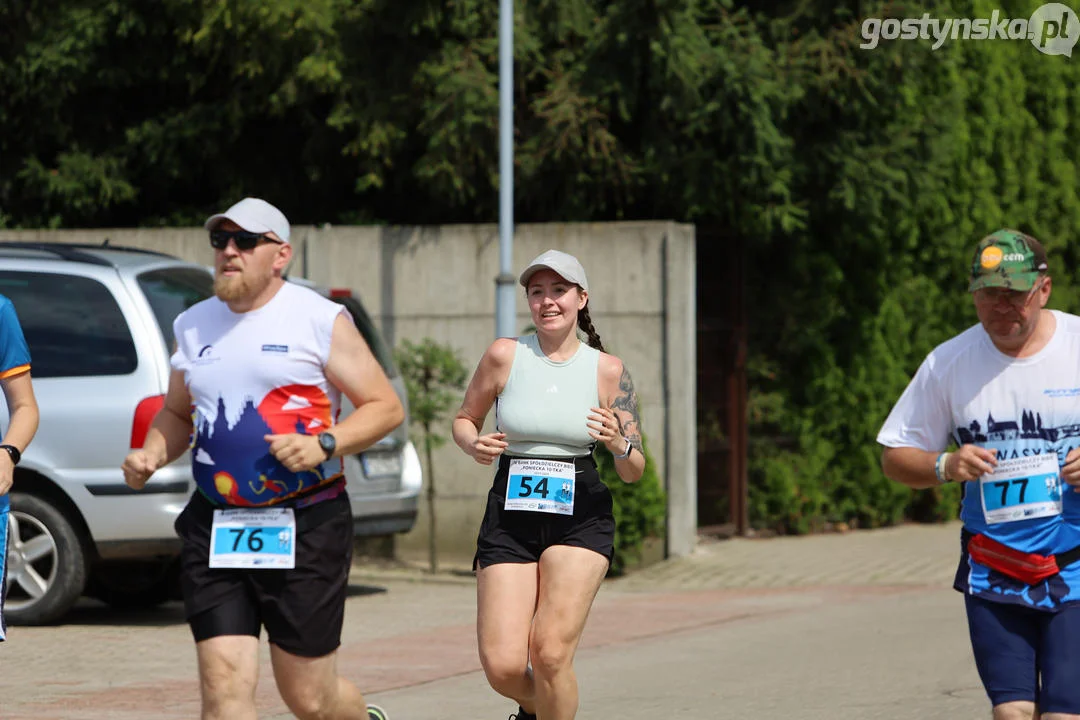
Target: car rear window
371	335
72	324
171	291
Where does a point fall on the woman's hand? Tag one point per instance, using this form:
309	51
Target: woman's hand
488	447
604	427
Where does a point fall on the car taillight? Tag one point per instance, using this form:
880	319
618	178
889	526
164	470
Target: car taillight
340	292
145	412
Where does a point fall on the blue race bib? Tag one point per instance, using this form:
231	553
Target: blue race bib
540	486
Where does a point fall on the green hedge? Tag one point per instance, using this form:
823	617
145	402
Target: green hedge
903	157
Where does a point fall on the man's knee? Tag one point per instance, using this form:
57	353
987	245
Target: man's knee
227	676
221	694
309	686
308	702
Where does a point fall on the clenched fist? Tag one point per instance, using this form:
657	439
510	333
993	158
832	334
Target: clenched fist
138	467
970	462
1070	473
295	451
488	447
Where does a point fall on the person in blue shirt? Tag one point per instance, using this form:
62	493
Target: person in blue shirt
1006	393
22	423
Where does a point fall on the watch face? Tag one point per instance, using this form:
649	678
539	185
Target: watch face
327	442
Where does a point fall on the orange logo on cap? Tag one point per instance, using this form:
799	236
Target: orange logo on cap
991	257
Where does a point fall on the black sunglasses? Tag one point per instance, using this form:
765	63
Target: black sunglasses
219	239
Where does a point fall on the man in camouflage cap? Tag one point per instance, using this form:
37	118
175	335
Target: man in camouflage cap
1011	286
1006	393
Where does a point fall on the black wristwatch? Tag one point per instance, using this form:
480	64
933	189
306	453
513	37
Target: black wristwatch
13	452
328	443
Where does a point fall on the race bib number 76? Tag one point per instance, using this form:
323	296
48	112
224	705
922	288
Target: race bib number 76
263	538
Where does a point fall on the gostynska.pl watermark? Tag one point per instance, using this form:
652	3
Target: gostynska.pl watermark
1053	29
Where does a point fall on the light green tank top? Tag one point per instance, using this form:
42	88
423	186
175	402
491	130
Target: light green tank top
545	404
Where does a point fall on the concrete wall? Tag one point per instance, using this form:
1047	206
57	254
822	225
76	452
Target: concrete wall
438	282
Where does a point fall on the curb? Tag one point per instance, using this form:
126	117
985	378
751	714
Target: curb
410	575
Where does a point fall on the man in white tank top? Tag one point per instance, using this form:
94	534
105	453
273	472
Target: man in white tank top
547	537
258	372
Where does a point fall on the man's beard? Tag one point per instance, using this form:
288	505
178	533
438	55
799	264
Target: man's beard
235	287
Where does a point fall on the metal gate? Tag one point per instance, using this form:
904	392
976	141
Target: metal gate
721	382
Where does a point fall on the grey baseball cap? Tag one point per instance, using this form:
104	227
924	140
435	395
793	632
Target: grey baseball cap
566	265
254	215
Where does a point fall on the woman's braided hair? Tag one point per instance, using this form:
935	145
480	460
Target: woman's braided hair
585	323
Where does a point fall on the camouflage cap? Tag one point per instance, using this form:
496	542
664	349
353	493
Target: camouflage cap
1007	259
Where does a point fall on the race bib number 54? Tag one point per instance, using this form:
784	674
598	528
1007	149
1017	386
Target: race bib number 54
1022	489
263	538
540	486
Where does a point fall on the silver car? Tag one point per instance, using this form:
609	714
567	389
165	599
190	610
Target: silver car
98	321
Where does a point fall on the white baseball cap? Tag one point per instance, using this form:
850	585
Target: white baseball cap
254	215
564	264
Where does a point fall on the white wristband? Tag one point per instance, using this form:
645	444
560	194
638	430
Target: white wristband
939	467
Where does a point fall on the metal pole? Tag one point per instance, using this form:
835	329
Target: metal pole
504	283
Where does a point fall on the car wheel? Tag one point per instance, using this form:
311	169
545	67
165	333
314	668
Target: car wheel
46	563
135	585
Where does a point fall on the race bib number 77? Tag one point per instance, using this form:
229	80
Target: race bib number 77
1022	489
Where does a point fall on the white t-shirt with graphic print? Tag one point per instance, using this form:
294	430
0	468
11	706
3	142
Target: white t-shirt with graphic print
1027	409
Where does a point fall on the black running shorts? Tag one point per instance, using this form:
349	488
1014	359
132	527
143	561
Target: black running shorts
520	536
302	609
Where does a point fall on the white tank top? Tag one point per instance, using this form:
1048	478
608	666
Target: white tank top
253	374
545	404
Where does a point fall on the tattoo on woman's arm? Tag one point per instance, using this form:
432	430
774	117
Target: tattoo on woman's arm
626	401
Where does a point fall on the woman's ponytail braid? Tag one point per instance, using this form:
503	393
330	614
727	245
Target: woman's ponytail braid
585	323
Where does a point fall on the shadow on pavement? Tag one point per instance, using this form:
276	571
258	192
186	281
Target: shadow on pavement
94	612
362	590
88	611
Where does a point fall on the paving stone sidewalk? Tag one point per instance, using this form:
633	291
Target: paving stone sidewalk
912	554
410	637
